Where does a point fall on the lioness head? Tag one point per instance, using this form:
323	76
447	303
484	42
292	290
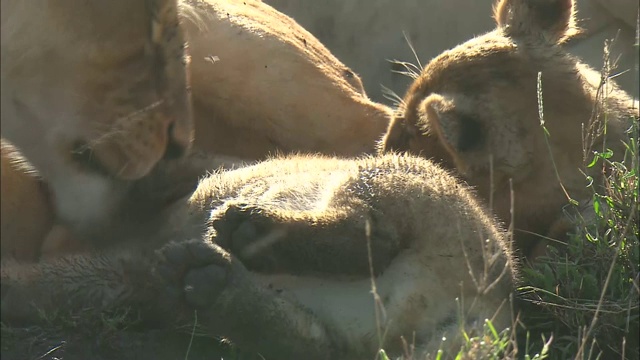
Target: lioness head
93	90
476	108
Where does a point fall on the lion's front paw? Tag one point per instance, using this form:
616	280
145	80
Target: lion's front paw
250	235
194	270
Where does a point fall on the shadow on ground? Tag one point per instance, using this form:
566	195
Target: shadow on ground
38	343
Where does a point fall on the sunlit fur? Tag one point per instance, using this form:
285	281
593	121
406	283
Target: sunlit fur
475	109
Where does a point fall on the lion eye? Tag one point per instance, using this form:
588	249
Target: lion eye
471	134
83	156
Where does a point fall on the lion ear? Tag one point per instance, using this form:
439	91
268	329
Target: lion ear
550	20
458	131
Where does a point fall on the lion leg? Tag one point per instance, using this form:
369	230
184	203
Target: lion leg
409	300
74	284
92	283
268	241
230	303
166	286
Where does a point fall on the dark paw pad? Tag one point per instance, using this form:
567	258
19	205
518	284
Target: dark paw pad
247	233
202	286
195	268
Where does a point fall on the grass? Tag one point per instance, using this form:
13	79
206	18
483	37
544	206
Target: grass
581	300
119	334
586	292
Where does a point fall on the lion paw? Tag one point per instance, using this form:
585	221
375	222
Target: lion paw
195	270
250	235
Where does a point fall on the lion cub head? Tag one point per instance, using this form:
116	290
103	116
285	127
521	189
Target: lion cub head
93	91
483	108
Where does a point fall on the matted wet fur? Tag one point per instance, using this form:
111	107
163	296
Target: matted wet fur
475	108
289	273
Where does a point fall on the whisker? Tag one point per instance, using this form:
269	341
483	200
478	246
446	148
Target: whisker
411	70
117	129
413	50
392	96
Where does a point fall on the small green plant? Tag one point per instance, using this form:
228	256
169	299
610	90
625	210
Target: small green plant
586	291
492	344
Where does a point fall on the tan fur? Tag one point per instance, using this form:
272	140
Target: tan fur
27	215
289	274
29	228
476	105
97	93
262	84
60	240
326	110
92	90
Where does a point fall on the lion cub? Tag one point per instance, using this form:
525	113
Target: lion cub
291	247
475	108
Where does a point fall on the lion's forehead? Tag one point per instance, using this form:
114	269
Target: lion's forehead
476	63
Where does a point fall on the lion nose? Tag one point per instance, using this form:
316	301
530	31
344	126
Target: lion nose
178	142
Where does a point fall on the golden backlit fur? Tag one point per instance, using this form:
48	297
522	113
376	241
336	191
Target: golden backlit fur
264	85
278	257
475	108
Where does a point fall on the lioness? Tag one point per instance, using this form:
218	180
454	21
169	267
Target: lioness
241	51
93	90
475	108
262	84
280	257
29	230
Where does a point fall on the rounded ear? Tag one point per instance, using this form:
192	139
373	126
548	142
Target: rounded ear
437	109
550	20
457	131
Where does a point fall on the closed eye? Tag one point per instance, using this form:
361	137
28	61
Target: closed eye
83	156
471	134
